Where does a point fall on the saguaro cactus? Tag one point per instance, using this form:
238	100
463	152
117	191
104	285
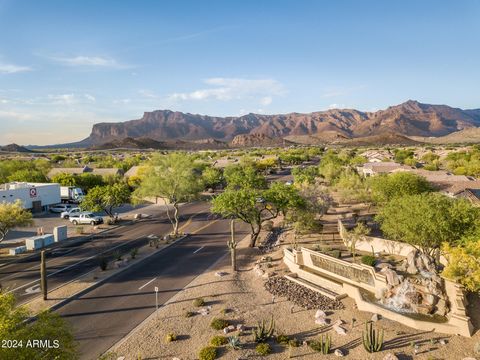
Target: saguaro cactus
43	275
232	245
372	339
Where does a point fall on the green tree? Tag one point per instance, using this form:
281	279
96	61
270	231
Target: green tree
255	206
331	166
88	181
403	154
428	220
463	264
173	177
106	198
48	327
307	174
27	175
358	233
11	216
65	179
244	176
351	186
212	177
388	186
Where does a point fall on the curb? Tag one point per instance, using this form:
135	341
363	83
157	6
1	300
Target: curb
154	314
99	282
66	242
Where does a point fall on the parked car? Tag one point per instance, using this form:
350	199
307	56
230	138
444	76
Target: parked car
86	218
60	208
70	213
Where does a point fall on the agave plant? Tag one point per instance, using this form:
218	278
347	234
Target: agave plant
234	342
263	332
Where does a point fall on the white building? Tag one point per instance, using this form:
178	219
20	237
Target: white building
34	196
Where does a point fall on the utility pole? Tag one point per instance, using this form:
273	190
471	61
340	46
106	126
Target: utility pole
43	275
232	245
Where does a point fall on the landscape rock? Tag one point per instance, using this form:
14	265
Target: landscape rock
390	356
240	327
322	321
392	277
300	295
339	322
220	273
443	342
339	330
338	352
375	317
320	314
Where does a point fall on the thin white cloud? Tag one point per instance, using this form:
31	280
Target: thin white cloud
336	106
90	98
12	69
63	99
226	89
89	61
122	101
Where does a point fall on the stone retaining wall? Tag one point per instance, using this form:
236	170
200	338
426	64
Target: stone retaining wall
328	272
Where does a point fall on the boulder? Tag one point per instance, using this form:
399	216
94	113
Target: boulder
322	321
320	313
338	352
339	322
339	330
375	317
390	356
220	273
393	278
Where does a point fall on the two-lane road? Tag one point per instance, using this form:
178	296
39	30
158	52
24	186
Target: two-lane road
109	312
73	260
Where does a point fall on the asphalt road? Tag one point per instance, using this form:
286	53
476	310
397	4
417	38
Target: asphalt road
109	312
73	260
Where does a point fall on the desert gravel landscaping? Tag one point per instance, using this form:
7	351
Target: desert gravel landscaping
241	298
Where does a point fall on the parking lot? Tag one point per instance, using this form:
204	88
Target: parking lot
47	221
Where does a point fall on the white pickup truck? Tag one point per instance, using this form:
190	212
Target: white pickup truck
71	213
86	218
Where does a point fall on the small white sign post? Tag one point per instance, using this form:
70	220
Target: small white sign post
156	299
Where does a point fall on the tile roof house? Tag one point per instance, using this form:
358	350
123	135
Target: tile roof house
85	169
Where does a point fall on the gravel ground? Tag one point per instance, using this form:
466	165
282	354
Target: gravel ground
244	297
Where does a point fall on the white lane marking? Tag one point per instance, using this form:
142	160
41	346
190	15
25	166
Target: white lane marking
141	287
198	250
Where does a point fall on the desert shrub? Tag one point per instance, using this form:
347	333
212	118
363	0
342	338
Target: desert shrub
133	253
368	260
199	302
170	337
208	353
218	324
189	314
335	253
79	230
218	340
282	339
224	311
263	349
294	343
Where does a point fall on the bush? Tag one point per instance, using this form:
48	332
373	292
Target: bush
263	349
335	253
294	343
218	340
218	324
170	337
79	230
208	353
133	253
189	314
282	339
199	302
368	260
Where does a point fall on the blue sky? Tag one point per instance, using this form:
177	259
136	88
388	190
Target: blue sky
65	65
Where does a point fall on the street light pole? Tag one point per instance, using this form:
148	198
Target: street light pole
156	300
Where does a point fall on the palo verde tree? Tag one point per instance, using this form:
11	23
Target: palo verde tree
173	177
428	220
106	198
386	187
11	216
255	205
47	327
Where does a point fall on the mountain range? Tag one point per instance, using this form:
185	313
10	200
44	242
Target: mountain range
165	128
